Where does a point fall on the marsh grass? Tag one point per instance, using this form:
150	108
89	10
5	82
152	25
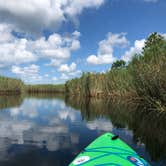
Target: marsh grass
10	85
143	80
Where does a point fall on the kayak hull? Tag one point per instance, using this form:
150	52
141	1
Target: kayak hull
108	150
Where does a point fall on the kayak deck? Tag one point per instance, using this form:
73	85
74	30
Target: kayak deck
106	151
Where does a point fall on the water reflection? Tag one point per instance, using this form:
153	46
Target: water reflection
10	101
147	129
52	131
150	129
36	124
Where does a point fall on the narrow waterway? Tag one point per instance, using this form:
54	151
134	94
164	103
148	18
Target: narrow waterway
51	131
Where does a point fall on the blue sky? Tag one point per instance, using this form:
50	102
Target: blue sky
52	41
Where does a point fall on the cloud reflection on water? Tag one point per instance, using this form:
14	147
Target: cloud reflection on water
32	124
43	123
100	125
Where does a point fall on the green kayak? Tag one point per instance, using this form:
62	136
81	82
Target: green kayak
106	150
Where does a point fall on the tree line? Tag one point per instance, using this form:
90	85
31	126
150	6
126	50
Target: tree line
10	85
14	86
143	79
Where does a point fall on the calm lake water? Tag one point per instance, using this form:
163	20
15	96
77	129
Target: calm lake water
51	131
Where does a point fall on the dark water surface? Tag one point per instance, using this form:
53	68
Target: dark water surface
51	131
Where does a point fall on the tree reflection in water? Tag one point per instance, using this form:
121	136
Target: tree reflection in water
147	127
54	124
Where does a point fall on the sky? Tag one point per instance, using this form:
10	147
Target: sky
52	41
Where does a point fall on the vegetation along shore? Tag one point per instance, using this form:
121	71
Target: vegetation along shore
142	80
9	86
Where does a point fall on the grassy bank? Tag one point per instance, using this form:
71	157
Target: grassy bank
142	80
10	86
45	88
10	101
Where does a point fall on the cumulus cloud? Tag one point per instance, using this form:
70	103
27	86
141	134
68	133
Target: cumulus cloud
64	76
31	73
76	6
136	49
69	71
28	73
16	53
54	62
68	68
13	50
5	32
57	48
106	49
33	16
68	76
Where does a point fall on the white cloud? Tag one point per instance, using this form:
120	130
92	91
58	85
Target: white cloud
28	73
76	34
69	71
76	6
64	76
68	76
31	74
75	45
54	78
106	48
136	49
33	16
57	48
54	62
13	50
68	68
46	75
5	32
15	53
75	73
59	53
30	70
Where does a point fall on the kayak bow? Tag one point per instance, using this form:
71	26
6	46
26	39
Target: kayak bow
106	150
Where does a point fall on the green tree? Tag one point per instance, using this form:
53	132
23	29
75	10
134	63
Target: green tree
155	46
148	73
118	64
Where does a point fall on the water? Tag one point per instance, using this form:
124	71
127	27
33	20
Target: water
51	131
